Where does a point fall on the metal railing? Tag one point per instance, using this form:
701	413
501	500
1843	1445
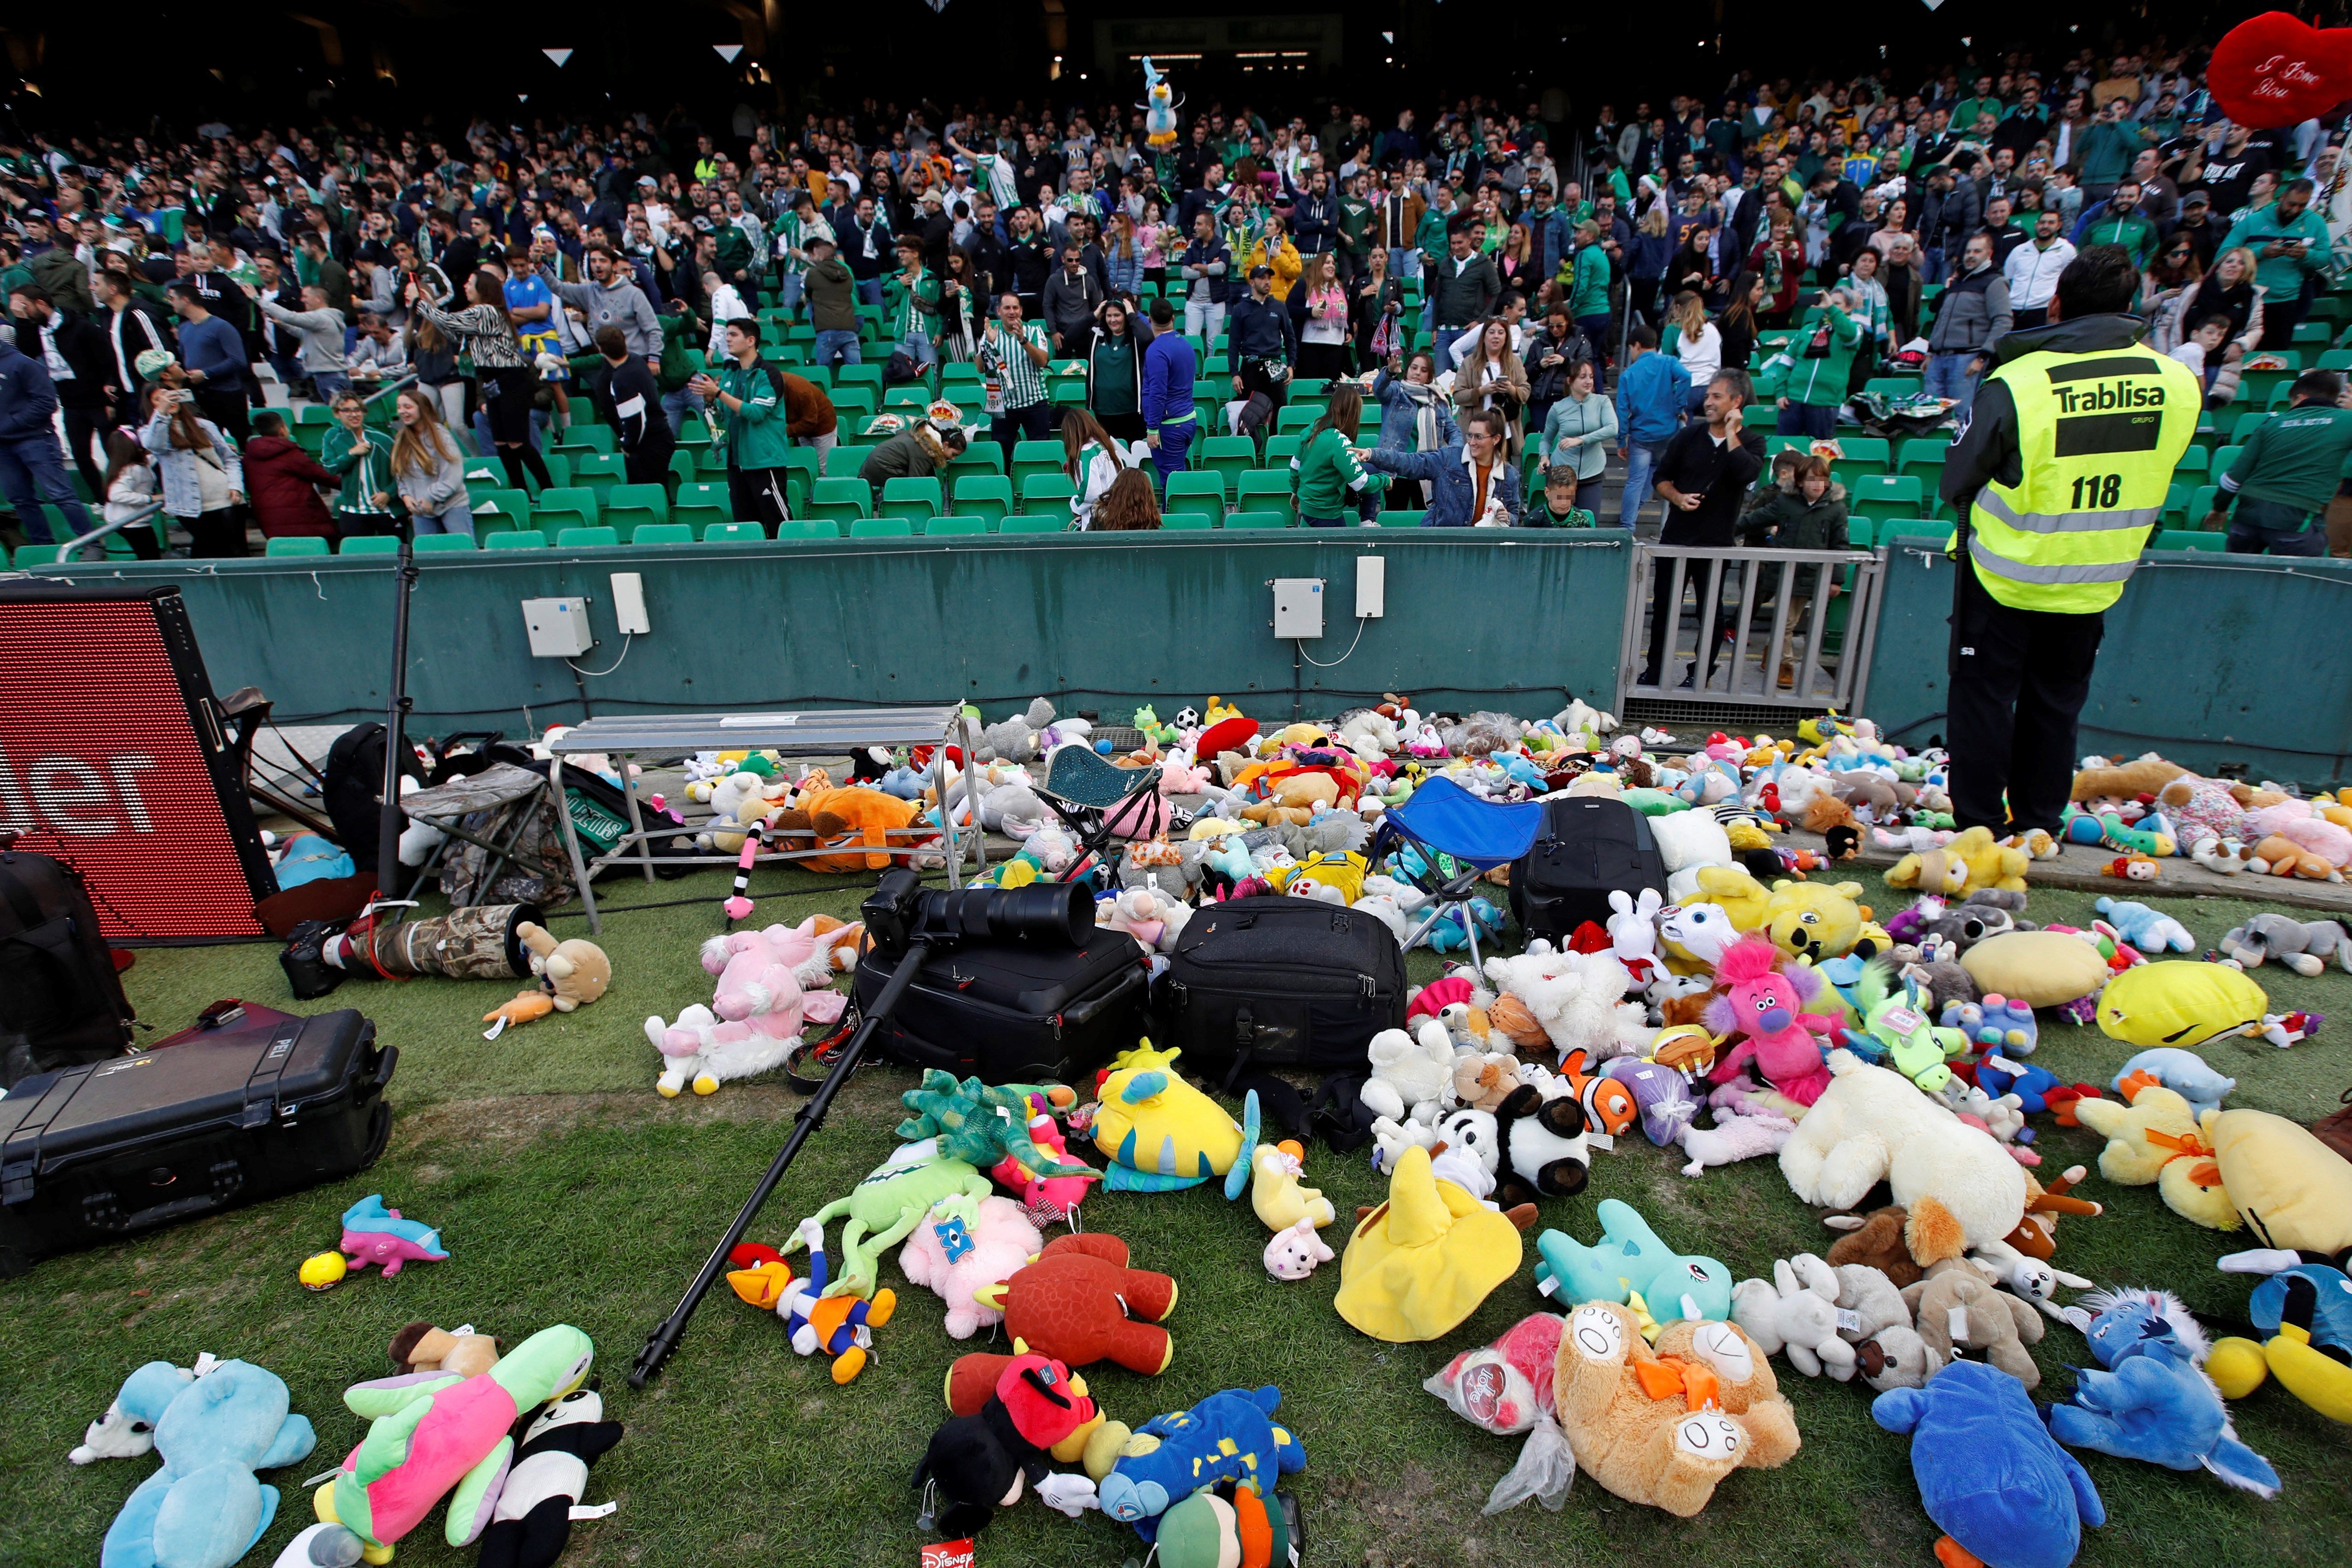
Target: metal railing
1760	614
67	550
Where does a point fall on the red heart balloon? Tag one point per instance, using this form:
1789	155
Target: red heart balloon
2275	70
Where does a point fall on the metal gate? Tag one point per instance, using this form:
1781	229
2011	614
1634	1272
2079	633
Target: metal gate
1762	633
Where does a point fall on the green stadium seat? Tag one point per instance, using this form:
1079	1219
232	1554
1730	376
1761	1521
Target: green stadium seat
2253	420
684	468
1914	528
984	456
2196	461
1228	457
913	396
317	413
801	474
1864	456
822	528
296	544
1923	457
1257	520
661	534
1401	518
2176	504
734	534
1860	532
699	505
2202	504
1036	522
2313	332
844	462
839	499
2224	460
694	432
599	471
443	544
370	544
513	538
586	438
1280	450
37	555
1296	418
587	538
571	500
856	401
1265	490
956	527
501	508
882	528
1886	495
1047	493
1204	486
1186	522
988	495
905	496
628	507
1031	458
859	375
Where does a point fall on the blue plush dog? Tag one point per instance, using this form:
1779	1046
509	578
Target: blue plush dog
204	1509
2152	1403
1228	1437
1989	1474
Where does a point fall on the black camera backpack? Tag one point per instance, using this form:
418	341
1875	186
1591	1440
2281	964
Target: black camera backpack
61	1003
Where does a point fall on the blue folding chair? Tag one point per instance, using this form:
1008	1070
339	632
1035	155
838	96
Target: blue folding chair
1461	838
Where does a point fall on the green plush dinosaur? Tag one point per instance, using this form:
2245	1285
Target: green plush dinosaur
1893	1019
888	1206
981	1124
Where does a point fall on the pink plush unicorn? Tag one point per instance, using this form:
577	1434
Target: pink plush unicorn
1766	1008
1051	1199
754	1020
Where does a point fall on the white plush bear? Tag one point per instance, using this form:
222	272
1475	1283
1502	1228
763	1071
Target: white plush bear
1872	1125
1579	999
1796	1315
1687	840
1412	1078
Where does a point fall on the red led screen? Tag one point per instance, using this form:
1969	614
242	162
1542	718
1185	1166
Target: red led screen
103	766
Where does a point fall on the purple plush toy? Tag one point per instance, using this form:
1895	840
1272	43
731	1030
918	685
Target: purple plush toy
1662	1094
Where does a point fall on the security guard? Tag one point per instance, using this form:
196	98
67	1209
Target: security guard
2059	477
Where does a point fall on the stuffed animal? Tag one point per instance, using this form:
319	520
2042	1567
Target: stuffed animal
1995	1022
981	1124
1989	1474
1163	1134
1277	1195
1578	1000
1958	1308
1795	1313
540	1497
1045	1197
442	1433
1662	1428
2182	1071
2038	969
1812	921
2306	1310
865	822
2180	1003
1297	1251
1634	933
1696	935
1661	1095
1766	1008
755	1016
841	1326
1228	1437
572	975
2153	1401
2303	945
1871	1125
212	1427
421	1347
1507	1388
1412	1075
887	1206
2146	929
1890	1242
2288	1189
1733	1138
1541	1144
957	1252
1419	1264
980	1462
1629	1258
1892	1022
1073	1304
2153	1138
374	1234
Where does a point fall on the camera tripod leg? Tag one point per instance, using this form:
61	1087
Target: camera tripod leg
665	1337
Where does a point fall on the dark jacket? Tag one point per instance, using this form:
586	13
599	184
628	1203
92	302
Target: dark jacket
1986	450
83	345
1070	301
1314	222
27	397
1468	296
1786	520
644	431
1973	315
1261	330
1032	263
280	481
832	291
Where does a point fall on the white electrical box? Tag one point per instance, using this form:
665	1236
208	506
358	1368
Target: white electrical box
1372	587
559	627
1299	606
629	603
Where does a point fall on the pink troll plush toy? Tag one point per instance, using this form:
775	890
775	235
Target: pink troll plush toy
753	1020
1765	1008
957	1250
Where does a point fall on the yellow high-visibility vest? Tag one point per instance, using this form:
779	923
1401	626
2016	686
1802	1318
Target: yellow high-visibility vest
2098	436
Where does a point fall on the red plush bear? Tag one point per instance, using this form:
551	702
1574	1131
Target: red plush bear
1073	1303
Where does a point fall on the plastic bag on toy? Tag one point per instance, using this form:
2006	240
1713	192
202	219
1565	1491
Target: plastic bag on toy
1545	1472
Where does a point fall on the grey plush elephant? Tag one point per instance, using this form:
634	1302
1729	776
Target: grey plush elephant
2303	945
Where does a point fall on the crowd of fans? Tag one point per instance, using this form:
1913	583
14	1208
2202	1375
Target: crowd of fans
1510	297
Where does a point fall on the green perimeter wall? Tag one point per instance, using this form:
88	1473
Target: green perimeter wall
2210	659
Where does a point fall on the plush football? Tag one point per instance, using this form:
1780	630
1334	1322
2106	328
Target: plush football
2275	69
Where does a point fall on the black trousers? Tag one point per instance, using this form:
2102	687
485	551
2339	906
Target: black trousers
2019	679
83	424
649	465
226	406
758	496
1035	422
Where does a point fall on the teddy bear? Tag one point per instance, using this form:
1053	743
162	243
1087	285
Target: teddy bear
957	1249
1889	1242
572	974
1015	738
1296	1252
1733	890
1795	1313
1957	1307
1483	1080
1411	1074
1577	999
1661	1427
1154	918
1811	920
1080	1302
420	1348
1871	1125
2099	779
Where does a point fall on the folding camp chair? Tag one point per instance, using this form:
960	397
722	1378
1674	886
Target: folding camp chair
1099	803
1450	825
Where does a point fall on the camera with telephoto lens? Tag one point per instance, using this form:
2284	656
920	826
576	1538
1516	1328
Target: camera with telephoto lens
901	910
